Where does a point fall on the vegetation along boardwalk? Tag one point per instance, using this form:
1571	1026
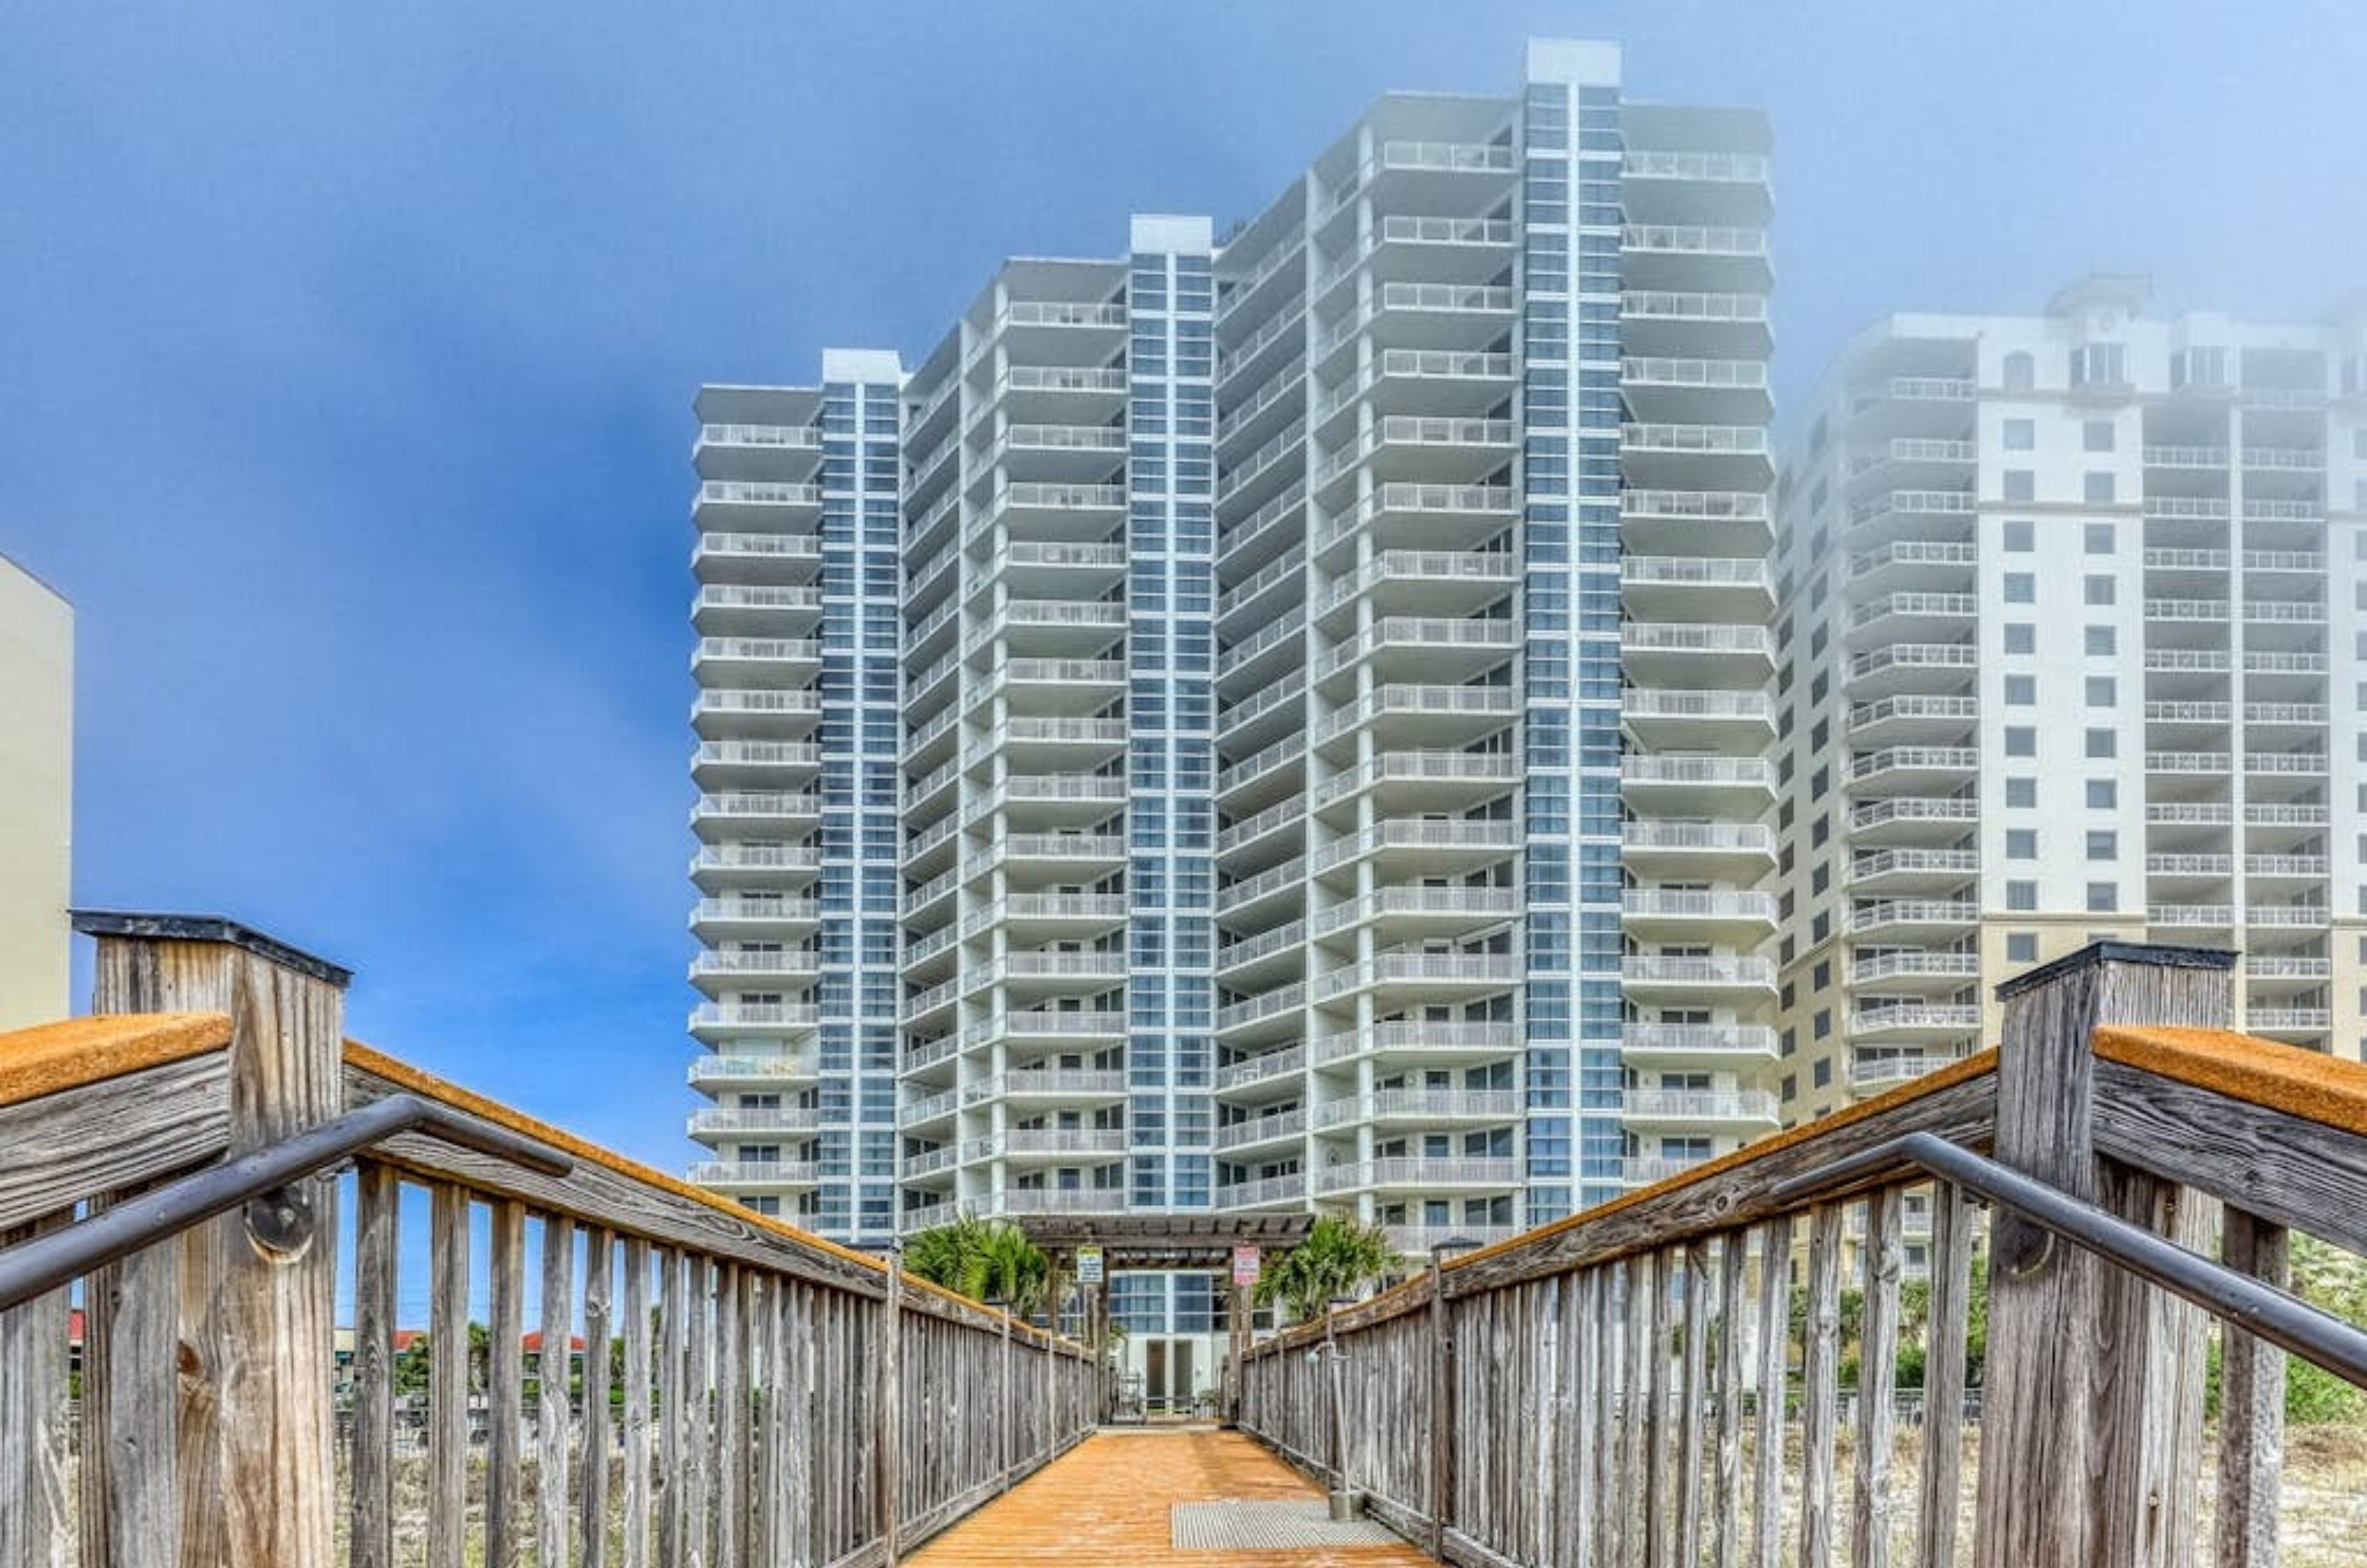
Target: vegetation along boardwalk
1111	1499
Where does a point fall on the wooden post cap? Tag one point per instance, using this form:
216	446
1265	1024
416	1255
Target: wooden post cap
2156	956
210	928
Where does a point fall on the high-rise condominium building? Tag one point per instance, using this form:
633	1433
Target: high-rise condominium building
2071	648
1264	721
36	797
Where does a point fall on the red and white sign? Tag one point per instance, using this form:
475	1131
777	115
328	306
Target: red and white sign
1245	1265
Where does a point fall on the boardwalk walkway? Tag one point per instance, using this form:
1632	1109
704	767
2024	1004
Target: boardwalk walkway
1108	1503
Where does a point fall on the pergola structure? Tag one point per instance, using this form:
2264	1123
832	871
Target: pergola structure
1166	1243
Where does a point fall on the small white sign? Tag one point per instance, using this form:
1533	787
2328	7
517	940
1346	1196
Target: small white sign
1089	1265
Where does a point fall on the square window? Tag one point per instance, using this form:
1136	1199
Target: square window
2021	947
2022	691
2103	691
2019	535
2103	743
2100	589
1822	1072
2021	740
2104	795
2100	538
2022	844
2021	434
2020	484
2103	844
2103	898
2020	637
2096	435
2021	588
1822	1024
2102	642
2021	895
2021	792
2096	489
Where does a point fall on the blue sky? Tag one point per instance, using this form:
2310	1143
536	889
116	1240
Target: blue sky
346	359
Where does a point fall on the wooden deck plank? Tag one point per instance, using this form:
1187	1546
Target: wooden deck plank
1105	1505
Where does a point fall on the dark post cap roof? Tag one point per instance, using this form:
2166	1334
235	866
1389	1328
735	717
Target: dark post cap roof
2158	955
210	928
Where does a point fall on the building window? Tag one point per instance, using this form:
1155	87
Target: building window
2021	691
2103	691
2022	844
2096	435
2020	484
2021	372
1821	1073
2018	536
2100	538
2020	794
2021	740
2096	489
2021	434
2020	637
2100	589
2102	642
2103	743
2021	895
2022	588
2103	898
2021	947
1823	974
1822	1025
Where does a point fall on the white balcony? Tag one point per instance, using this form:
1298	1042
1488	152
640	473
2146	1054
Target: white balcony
736	1123
1288	1191
1657	979
1913	1020
725	1021
1909	919
1756	1107
1670	1044
1697	786
1872	1075
1280	1127
1947	971
755	1175
728	1071
1418	1173
1663	914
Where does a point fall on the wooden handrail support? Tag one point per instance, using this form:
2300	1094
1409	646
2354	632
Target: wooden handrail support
210	1357
2116	1083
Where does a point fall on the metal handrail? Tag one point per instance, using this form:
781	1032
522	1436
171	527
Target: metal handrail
278	1218
2281	1318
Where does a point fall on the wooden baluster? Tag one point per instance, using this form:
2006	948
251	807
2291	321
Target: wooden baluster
377	1246
2251	1408
1952	1222
553	1417
638	1373
732	1376
673	1396
1635	1464
1878	1376
1774	1353
1820	1374
1603	1416
697	1439
1693	1391
599	1330
1570	1485
34	1532
505	1386
1725	1541
447	1378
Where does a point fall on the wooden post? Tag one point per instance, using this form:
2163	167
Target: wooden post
2060	1460
257	1353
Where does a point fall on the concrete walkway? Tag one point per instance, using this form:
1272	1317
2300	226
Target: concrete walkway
1109	1503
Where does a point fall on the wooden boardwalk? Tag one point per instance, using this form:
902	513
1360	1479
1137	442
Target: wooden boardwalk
1106	1502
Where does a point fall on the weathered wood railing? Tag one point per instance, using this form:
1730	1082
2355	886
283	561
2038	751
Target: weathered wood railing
1641	1385
745	1393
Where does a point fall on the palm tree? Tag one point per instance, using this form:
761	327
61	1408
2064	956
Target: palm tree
985	1260
1341	1256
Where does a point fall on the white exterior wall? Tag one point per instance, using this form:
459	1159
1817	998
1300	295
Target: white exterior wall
36	798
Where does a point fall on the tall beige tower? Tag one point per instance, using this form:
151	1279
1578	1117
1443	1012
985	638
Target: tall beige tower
36	796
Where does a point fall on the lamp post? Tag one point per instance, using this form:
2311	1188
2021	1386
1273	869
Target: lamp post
1343	1500
1442	1395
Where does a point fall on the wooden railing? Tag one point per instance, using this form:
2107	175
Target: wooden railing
725	1391
1665	1380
